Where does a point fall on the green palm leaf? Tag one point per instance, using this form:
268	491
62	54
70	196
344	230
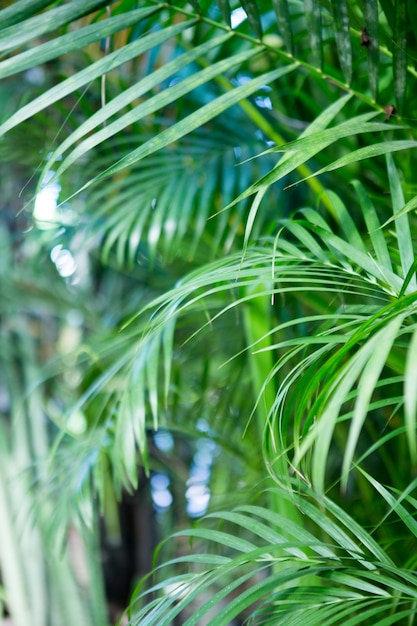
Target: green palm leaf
294	590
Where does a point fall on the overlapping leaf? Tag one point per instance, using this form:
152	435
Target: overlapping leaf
293	578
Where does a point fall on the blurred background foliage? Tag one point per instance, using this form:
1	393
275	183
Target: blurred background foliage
187	328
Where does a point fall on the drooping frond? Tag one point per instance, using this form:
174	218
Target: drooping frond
255	563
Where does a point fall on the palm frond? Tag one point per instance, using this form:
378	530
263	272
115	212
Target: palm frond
294	577
356	353
103	25
224	292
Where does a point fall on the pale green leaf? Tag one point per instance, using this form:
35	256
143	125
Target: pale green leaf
85	76
268	534
168	351
396	506
411	205
402	226
150	105
251	217
220	537
367	541
335	530
373	225
322	432
361	259
377	149
137	414
346	221
22	32
151	350
377	350
303	149
75	40
20	10
125	441
249	596
410	396
307	239
191	122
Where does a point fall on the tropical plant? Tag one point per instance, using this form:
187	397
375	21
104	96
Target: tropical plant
227	178
41	584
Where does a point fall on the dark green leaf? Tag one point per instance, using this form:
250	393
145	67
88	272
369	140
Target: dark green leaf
342	35
284	22
372	45
14	36
400	53
21	10
252	11
224	7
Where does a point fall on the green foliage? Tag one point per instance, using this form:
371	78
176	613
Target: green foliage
243	193
41	585
334	573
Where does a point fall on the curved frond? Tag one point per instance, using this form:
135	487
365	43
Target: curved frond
279	573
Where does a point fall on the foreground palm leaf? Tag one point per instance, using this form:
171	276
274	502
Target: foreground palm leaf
262	566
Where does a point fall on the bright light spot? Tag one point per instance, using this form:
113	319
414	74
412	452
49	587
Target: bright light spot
161	496
198	497
35	76
159	482
198	491
177	590
199	474
243	80
237	17
169	226
45	212
153	235
204	457
164	441
76	423
55	253
75	318
162	499
264	102
64	261
4	400
202	425
135	239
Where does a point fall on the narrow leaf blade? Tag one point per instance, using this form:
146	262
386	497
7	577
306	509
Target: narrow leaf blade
410	396
400	53
342	35
284	22
372	45
402	225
